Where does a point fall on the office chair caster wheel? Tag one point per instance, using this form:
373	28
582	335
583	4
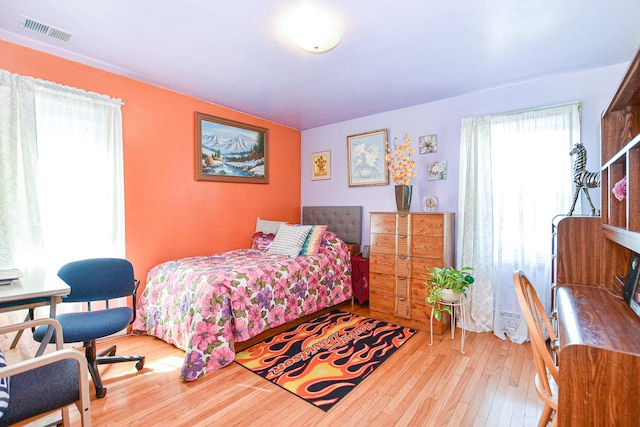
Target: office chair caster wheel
101	392
140	364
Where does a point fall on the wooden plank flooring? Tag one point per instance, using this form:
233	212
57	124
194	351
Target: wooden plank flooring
420	385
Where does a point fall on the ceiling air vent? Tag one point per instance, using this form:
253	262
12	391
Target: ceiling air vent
44	29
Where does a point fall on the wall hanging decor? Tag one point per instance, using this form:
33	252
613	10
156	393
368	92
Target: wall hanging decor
321	165
366	158
437	170
227	150
428	144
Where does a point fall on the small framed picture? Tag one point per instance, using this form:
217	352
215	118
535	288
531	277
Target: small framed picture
321	165
631	279
428	144
437	170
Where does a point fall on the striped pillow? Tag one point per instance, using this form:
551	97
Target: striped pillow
289	240
314	239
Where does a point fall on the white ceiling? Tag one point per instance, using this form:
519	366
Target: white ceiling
393	54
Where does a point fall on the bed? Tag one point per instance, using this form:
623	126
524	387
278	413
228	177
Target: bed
212	306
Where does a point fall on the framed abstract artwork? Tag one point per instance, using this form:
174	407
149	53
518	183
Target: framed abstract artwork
365	156
437	170
321	165
227	150
428	144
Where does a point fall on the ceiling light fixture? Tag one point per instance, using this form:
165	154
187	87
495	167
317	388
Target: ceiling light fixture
312	30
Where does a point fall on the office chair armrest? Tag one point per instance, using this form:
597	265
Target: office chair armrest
33	323
134	298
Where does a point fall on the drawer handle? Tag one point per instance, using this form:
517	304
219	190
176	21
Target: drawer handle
402	298
402	277
402	236
403	257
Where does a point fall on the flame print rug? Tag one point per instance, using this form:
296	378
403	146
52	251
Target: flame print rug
324	359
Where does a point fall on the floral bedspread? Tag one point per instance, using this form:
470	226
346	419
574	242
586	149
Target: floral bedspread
204	304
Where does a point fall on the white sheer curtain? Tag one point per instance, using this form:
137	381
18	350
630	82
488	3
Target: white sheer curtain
80	160
62	191
20	225
515	176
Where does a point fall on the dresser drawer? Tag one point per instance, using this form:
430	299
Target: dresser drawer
427	225
418	290
421	314
420	265
381	302
383	223
427	247
382	263
383	243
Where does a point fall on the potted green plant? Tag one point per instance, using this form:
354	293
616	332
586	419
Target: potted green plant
446	284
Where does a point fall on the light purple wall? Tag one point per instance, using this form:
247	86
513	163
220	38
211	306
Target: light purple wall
594	88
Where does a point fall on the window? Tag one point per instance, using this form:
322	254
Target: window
62	191
515	176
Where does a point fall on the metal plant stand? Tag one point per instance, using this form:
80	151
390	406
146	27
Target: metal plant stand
453	304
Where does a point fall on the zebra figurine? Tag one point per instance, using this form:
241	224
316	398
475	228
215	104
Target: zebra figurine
582	178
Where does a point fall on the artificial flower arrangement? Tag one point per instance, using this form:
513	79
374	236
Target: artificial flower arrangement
401	165
620	189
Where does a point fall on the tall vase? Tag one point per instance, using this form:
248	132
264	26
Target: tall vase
403	197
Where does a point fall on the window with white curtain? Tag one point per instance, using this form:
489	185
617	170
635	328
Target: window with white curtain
61	178
62	190
515	177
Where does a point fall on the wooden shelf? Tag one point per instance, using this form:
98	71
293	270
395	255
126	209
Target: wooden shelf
623	237
621	158
599	333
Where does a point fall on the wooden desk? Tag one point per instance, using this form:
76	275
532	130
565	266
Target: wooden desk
599	358
35	289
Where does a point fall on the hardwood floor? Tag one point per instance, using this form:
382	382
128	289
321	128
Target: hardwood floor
420	385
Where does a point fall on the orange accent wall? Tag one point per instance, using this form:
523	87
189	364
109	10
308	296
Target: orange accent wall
168	213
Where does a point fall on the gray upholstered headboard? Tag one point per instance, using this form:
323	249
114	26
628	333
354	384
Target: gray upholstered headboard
344	221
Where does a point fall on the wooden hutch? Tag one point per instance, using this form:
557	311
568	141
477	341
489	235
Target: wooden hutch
599	334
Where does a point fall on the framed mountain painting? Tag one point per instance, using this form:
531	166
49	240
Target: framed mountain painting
227	150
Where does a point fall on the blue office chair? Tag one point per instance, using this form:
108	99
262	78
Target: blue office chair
97	279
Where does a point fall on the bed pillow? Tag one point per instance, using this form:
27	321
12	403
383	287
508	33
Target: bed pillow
267	226
289	240
262	241
314	240
4	387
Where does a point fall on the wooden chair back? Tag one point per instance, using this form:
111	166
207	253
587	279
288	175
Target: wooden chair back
539	326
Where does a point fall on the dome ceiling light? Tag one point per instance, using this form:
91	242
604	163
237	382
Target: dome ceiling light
312	30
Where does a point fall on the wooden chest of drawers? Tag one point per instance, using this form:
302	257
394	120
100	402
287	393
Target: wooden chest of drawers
403	246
